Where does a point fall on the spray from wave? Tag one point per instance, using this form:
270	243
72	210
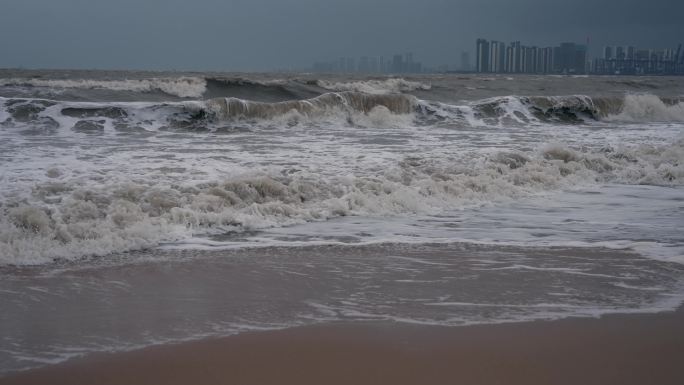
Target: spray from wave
649	108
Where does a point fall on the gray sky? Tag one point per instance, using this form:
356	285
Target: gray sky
281	34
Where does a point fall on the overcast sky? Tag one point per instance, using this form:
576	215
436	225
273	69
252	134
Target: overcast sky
281	34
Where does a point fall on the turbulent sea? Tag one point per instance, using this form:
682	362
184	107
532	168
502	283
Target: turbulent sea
144	208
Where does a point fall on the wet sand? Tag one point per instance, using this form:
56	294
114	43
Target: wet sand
617	349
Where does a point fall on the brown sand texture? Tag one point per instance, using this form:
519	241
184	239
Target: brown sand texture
638	349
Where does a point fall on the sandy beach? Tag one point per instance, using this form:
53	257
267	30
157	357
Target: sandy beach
616	349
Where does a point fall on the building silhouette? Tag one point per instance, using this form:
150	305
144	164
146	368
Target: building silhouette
572	58
497	57
620	60
397	64
482	56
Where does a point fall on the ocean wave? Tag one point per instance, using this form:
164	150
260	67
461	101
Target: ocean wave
648	108
183	87
73	218
232	108
344	107
506	110
273	90
377	87
355	108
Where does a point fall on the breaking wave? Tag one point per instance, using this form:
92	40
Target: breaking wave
67	219
346	108
346	105
274	90
558	109
386	86
183	87
649	108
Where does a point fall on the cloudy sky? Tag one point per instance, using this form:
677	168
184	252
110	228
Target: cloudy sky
281	34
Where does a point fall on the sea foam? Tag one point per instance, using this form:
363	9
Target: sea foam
70	220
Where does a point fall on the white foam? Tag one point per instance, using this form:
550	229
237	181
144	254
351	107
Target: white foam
143	115
4	114
386	86
70	194
648	108
124	215
563	270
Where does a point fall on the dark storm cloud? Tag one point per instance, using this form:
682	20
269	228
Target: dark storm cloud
270	34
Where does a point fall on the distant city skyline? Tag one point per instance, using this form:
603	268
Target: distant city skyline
498	57
573	58
262	35
492	56
397	63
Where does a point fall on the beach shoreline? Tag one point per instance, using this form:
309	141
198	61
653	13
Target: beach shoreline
613	349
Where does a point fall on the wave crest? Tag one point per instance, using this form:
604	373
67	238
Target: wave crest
232	108
648	108
376	87
184	87
344	108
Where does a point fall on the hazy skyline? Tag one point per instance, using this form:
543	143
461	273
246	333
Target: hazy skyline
280	34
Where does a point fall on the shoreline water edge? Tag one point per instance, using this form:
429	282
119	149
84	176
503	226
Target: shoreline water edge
615	349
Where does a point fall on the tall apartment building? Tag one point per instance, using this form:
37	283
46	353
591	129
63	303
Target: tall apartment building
632	61
482	58
497	57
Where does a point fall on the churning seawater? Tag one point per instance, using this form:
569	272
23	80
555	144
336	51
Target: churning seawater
141	208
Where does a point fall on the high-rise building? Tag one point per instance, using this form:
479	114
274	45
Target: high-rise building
517	57
482	58
570	58
528	60
630	53
539	60
398	64
547	60
608	53
509	67
524	58
497	57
